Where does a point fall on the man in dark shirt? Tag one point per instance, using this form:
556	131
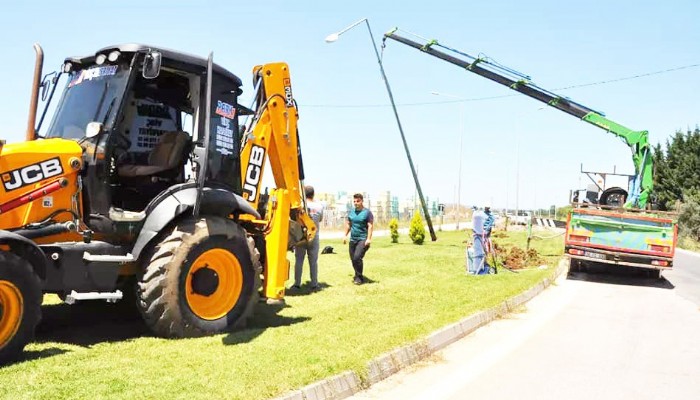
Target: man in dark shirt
359	225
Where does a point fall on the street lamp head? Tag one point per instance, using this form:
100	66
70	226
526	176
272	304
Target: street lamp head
332	37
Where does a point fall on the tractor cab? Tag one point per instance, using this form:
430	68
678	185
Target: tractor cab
139	113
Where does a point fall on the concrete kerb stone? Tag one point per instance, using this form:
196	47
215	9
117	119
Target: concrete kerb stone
295	395
348	383
334	388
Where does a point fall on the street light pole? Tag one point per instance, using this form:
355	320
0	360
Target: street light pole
517	174
459	180
517	165
463	128
332	38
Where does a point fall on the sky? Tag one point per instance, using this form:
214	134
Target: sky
638	62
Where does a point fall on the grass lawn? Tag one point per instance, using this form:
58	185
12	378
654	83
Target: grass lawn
101	351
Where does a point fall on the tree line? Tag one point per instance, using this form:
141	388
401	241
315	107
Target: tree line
677	180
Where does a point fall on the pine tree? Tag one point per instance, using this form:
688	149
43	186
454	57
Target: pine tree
675	170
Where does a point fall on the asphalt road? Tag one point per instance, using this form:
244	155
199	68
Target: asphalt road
590	336
686	276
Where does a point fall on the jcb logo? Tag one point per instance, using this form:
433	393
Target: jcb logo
31	174
253	173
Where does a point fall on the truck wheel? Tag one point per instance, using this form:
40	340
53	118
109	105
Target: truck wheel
20	305
202	278
574	265
653	274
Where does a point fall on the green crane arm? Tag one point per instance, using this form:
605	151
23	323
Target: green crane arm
636	140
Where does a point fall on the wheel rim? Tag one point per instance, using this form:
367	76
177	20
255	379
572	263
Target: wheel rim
11	309
214	284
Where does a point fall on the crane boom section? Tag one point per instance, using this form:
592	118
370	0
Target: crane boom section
636	140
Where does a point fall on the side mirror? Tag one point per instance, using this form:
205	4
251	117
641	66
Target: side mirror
45	85
93	129
151	65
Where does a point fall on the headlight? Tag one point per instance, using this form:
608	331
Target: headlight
100	59
114	56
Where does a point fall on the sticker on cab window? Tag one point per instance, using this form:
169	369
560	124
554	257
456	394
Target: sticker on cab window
93	73
224	136
225	110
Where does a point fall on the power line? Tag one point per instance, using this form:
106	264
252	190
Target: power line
627	78
630	77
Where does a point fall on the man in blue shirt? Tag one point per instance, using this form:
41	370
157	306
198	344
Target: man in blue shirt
488	224
359	225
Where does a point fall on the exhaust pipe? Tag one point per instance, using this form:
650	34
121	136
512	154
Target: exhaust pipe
34	100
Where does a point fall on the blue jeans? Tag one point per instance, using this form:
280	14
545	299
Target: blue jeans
479	253
299	253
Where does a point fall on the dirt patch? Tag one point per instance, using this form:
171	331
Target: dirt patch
533	257
517	258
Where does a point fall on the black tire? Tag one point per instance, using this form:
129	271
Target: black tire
574	265
653	274
613	197
170	295
20	305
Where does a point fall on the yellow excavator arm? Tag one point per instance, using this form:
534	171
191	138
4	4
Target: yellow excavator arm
272	135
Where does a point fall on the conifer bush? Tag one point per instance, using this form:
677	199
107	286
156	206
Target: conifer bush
417	230
394	229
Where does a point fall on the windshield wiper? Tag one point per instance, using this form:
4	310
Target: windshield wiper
102	100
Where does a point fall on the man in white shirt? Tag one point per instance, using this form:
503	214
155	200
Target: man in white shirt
478	219
315	210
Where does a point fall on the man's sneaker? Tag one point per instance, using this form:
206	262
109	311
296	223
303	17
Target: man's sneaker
357	280
315	288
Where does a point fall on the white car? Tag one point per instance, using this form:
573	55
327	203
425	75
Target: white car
521	219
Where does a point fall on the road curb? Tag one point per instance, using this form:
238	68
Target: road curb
348	383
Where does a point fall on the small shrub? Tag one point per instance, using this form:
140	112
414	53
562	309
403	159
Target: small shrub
689	218
394	229
417	230
562	213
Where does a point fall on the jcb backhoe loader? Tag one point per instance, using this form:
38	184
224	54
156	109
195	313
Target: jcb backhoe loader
145	184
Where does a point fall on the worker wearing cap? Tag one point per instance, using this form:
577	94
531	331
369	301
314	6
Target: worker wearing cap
488	223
